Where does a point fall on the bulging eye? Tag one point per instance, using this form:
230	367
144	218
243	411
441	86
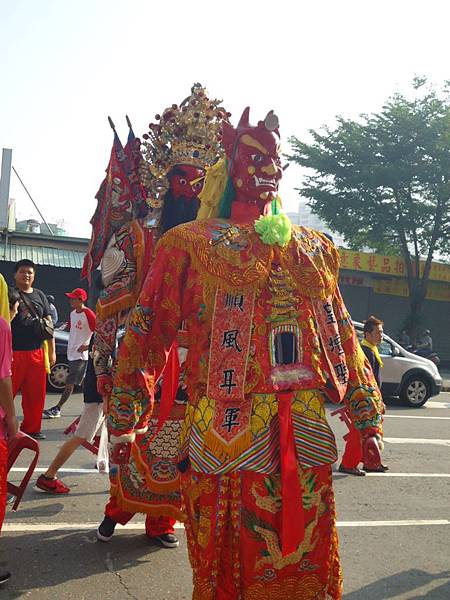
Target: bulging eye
197	186
183	181
257	158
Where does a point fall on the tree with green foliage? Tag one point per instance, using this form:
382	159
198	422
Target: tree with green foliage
383	181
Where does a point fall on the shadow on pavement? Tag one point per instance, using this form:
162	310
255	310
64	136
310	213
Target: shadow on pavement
71	564
47	510
403	583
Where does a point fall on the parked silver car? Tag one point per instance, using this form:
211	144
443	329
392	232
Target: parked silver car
56	379
413	378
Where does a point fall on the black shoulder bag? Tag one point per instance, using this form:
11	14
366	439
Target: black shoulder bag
42	326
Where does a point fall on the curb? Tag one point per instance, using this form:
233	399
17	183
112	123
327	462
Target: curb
445	384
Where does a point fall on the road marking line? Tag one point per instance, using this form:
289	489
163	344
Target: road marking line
435	404
12	526
389	474
405	523
63	470
37	527
415	417
430	441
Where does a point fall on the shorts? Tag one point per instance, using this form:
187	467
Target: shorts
77	369
91	420
90	394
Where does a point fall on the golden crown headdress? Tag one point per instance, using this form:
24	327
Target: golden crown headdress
189	134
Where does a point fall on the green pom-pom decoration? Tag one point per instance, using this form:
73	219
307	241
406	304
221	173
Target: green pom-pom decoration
274	229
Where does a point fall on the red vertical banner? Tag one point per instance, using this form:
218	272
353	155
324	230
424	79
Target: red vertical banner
229	351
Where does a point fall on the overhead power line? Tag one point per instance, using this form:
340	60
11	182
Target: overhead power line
34	203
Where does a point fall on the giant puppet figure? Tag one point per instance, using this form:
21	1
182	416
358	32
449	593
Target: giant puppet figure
176	150
273	341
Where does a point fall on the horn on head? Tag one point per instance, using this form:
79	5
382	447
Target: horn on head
271	122
244	120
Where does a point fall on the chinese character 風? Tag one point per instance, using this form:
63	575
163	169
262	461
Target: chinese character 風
230	339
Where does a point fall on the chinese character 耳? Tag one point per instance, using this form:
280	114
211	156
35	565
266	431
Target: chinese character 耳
228	380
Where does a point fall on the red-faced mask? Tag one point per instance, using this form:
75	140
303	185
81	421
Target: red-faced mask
254	159
186	181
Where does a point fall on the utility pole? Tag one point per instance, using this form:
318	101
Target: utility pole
5	179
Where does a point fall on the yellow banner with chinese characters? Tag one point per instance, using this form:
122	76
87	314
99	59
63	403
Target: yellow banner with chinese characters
398	287
388	265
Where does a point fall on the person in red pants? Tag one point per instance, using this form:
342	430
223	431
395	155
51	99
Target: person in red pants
355	450
28	370
8	421
353	453
161	528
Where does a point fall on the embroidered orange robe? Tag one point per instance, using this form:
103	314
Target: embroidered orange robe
264	323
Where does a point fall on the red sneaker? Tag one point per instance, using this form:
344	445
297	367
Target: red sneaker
52	486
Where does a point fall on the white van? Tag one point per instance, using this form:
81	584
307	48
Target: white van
413	378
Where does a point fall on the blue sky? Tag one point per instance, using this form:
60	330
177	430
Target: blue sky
66	65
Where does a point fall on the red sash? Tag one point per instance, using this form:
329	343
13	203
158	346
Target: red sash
292	516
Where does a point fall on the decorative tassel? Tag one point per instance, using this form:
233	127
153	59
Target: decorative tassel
224	450
107	309
153	510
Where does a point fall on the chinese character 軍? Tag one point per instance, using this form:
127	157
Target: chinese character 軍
231	418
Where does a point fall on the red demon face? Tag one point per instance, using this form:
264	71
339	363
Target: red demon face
254	158
184	181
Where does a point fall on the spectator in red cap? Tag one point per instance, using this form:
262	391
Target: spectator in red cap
81	327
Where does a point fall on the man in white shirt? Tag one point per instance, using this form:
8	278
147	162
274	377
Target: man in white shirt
81	327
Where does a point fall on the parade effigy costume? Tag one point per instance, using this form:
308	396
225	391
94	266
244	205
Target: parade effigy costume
171	171
273	340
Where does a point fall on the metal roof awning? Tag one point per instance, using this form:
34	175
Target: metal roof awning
40	255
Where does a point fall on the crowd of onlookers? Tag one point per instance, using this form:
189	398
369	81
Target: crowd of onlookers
27	352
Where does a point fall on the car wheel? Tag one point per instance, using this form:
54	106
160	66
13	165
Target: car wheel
415	391
56	379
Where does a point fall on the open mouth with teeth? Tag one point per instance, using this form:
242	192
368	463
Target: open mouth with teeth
261	182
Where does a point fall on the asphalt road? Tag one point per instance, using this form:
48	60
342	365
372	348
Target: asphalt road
394	528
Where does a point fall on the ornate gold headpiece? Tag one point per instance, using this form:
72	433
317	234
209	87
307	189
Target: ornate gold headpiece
189	134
